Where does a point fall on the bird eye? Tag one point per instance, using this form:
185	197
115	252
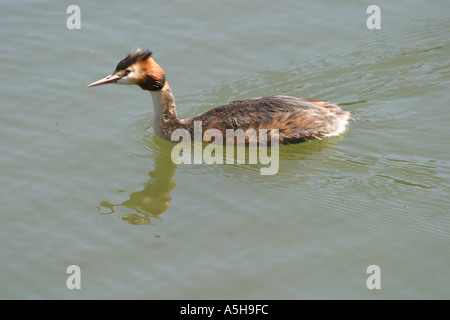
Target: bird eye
127	72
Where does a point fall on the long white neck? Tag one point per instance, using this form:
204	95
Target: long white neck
165	119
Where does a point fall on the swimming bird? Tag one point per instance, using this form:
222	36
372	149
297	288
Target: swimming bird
296	120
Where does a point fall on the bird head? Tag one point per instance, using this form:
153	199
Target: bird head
138	68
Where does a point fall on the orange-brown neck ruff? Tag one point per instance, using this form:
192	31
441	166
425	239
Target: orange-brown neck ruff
152	75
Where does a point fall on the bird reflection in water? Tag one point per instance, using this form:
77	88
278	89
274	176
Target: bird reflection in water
153	200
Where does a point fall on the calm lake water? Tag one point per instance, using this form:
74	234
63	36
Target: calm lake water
85	181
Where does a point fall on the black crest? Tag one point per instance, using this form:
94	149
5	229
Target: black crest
133	57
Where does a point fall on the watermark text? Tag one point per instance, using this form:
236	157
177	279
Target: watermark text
374	280
256	143
374	20
74	280
74	20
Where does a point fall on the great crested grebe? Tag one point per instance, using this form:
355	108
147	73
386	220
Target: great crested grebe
297	120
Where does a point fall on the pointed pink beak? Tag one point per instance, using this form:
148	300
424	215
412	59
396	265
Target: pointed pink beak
109	79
